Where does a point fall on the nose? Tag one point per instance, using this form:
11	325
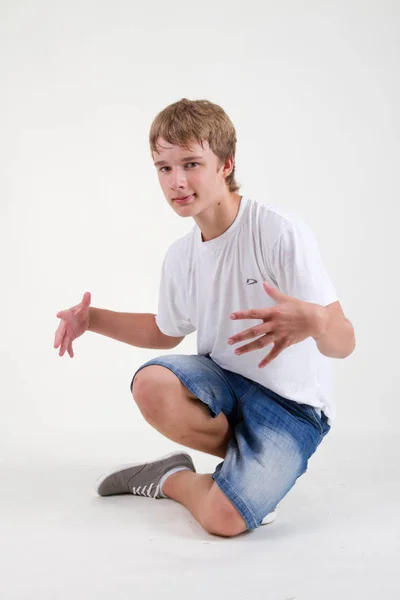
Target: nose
178	179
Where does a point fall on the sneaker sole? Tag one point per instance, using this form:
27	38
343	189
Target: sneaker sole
270	518
127	466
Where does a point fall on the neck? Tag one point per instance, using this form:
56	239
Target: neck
219	216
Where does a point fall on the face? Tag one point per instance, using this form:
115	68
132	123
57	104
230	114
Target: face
194	174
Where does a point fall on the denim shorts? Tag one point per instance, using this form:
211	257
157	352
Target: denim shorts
273	437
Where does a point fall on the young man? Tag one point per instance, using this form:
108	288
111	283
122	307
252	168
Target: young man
250	279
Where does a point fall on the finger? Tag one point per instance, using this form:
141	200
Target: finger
87	297
261	342
276	350
70	350
64	344
63	314
248	334
61	350
253	313
59	334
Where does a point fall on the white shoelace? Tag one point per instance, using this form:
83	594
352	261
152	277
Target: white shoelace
142	491
145	492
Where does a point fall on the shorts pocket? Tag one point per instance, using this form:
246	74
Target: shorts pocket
312	414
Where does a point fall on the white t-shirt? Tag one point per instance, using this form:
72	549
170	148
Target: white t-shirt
202	283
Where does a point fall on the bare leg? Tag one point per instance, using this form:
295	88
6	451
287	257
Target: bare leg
179	415
175	412
207	503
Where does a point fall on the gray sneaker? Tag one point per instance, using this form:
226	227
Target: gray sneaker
142	479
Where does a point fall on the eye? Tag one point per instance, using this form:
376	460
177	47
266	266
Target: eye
189	163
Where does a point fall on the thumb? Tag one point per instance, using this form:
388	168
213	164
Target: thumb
273	292
86	299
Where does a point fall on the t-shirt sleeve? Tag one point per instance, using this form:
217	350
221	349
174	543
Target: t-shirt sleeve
298	268
172	316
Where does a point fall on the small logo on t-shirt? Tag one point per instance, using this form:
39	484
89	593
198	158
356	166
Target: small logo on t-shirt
250	281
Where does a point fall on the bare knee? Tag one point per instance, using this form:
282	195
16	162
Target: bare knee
149	391
220	517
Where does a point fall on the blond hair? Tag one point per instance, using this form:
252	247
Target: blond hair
186	121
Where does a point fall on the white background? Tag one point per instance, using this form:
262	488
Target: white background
313	92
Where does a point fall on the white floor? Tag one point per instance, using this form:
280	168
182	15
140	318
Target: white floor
337	535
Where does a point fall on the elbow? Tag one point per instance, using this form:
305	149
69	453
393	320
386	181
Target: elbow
169	342
352	346
176	341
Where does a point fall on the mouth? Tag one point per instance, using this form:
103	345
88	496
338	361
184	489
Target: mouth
184	200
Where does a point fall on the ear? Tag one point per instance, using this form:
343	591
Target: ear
229	166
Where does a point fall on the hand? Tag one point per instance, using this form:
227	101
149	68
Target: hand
74	322
289	322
